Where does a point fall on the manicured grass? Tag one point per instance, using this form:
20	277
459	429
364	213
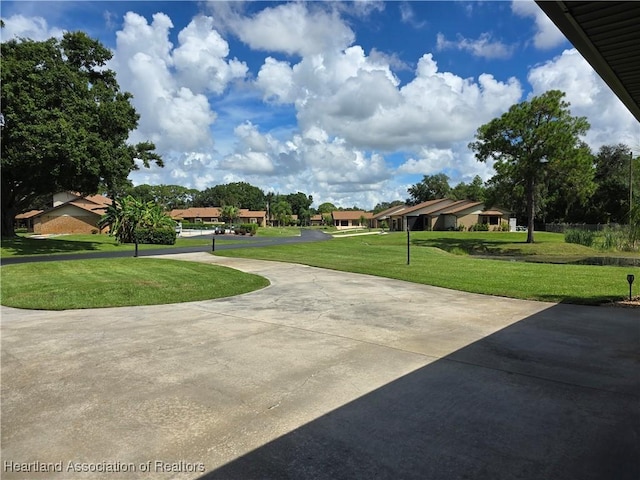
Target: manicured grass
278	232
119	282
355	231
386	256
27	246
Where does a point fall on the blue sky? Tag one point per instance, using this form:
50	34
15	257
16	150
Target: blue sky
349	102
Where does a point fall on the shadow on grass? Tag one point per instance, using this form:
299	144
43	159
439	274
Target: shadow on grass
554	396
47	246
472	246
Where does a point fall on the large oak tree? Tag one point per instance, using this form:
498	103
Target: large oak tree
237	194
531	140
66	123
431	187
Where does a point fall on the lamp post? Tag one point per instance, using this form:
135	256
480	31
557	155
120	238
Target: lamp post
408	245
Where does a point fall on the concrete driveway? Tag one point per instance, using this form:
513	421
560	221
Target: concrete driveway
323	375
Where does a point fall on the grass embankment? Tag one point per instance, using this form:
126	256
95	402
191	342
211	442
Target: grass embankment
386	256
119	282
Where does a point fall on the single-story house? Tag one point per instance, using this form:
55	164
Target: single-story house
316	220
464	214
213	215
71	213
25	220
440	214
425	215
389	218
343	219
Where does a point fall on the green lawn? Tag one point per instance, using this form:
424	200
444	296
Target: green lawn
355	231
278	232
27	246
386	256
119	282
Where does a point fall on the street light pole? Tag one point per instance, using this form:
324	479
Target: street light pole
408	245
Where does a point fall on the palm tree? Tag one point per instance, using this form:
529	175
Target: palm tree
282	212
229	213
128	214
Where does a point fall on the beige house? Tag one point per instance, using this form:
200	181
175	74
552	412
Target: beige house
390	218
71	213
25	220
465	213
316	220
441	214
343	219
213	215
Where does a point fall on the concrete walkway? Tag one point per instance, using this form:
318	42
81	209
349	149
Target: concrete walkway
322	375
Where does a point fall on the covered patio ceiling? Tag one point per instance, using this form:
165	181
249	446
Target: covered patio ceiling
607	35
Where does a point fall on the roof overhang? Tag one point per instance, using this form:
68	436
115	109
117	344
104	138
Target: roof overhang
607	35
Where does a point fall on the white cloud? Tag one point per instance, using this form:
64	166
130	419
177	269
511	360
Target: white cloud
35	28
200	58
407	16
547	34
611	122
170	85
429	160
483	47
365	105
294	29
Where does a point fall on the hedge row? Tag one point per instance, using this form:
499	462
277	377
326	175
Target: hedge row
161	236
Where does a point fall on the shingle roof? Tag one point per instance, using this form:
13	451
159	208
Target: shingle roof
493	212
29	214
390	211
212	212
460	206
430	206
351	214
195	212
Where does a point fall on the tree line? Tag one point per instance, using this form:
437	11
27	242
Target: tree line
280	208
600	197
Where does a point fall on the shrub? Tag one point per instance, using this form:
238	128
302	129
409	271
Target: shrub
250	228
158	236
479	227
581	237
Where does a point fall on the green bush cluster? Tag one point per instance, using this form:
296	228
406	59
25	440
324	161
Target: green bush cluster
247	228
155	236
479	227
581	237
